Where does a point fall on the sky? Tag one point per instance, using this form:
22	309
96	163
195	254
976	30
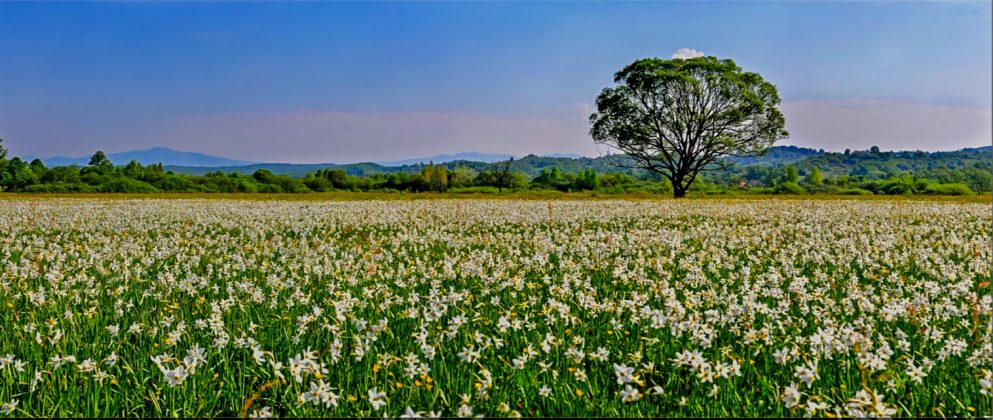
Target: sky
345	82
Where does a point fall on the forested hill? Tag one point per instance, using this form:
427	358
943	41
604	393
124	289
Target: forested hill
784	169
530	165
871	165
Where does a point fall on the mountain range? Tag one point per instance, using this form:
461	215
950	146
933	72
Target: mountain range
163	155
198	164
171	157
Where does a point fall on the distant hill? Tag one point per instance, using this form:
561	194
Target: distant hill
779	155
885	164
470	156
563	155
161	155
857	163
530	164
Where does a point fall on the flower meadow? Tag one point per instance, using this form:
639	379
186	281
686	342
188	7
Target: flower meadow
499	308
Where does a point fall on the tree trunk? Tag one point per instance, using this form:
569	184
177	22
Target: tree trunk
678	188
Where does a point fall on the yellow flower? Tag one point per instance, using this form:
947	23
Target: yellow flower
579	392
352	398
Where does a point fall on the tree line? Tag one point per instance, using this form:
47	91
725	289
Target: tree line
101	175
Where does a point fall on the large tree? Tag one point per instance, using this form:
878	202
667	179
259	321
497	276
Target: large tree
682	116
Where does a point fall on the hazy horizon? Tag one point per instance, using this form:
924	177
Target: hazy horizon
352	82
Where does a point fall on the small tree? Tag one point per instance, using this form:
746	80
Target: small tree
504	176
440	178
680	117
790	174
427	175
461	176
100	162
814	177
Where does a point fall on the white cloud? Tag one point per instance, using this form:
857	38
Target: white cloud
684	53
585	110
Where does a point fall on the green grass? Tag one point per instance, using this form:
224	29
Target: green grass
507	195
584	268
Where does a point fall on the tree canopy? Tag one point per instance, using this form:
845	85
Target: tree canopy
682	116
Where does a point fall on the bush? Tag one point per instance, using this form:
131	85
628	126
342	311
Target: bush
481	189
58	187
126	185
788	188
853	191
900	186
948	189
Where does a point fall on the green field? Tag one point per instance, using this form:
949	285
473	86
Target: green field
532	304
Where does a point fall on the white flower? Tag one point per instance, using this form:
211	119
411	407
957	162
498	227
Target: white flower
791	396
545	391
811	408
624	374
86	366
6	361
377	399
319	393
986	383
806	374
630	394
409	413
468	355
264	413
175	376
258	355
464	411
915	373
9	406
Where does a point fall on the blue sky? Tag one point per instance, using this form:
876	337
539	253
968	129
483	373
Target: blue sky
341	82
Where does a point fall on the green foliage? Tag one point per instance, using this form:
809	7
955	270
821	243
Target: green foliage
963	172
119	185
788	187
681	117
852	191
100	162
815	177
791	175
948	189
